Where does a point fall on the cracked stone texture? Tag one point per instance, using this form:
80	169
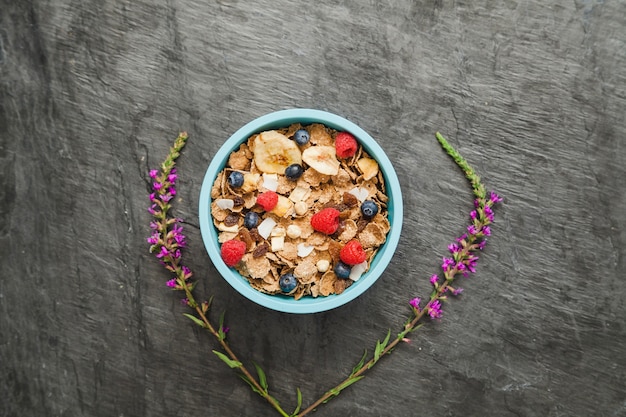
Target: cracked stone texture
92	93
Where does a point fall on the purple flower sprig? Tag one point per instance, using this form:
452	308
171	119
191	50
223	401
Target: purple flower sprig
167	238
167	242
462	261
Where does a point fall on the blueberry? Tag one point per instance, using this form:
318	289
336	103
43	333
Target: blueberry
250	220
369	209
294	171
301	137
342	270
287	282
235	179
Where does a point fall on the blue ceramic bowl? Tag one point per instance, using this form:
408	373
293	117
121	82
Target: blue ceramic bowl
306	304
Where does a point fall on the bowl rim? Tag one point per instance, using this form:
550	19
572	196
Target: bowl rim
282	303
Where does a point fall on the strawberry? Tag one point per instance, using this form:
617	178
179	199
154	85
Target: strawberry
326	221
232	252
352	253
345	145
267	200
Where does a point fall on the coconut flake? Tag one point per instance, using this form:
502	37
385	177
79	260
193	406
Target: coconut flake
225	203
266	226
304	250
358	270
270	181
360	193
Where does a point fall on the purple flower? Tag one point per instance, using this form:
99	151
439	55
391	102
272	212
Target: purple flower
462	237
471	263
153	173
172	178
154	239
473	214
454	248
415	303
433	280
152	209
163	253
184	301
177	254
434	311
186	271
482	244
457	291
494	198
472	230
157	186
171	283
180	240
166	197
447	264
225	329
152	196
172	191
489	213
487	231
154	225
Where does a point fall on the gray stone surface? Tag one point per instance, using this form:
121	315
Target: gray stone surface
532	93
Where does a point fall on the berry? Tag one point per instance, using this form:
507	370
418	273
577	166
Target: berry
287	282
294	171
326	221
369	209
342	270
345	145
235	179
233	251
250	220
352	253
267	200
301	137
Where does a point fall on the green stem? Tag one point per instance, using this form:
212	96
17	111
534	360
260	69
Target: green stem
207	324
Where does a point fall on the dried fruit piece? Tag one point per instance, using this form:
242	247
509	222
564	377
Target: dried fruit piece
283	207
322	159
232	251
368	167
273	152
326	220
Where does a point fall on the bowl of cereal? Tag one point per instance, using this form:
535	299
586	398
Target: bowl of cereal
300	211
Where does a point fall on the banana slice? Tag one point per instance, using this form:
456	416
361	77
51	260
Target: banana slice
283	208
368	167
322	159
273	152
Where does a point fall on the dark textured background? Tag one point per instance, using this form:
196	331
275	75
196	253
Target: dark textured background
532	93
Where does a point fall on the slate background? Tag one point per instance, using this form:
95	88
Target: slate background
532	93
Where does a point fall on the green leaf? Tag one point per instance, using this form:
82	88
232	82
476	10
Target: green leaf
335	391
262	377
220	330
195	319
359	365
380	346
228	361
254	388
299	405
